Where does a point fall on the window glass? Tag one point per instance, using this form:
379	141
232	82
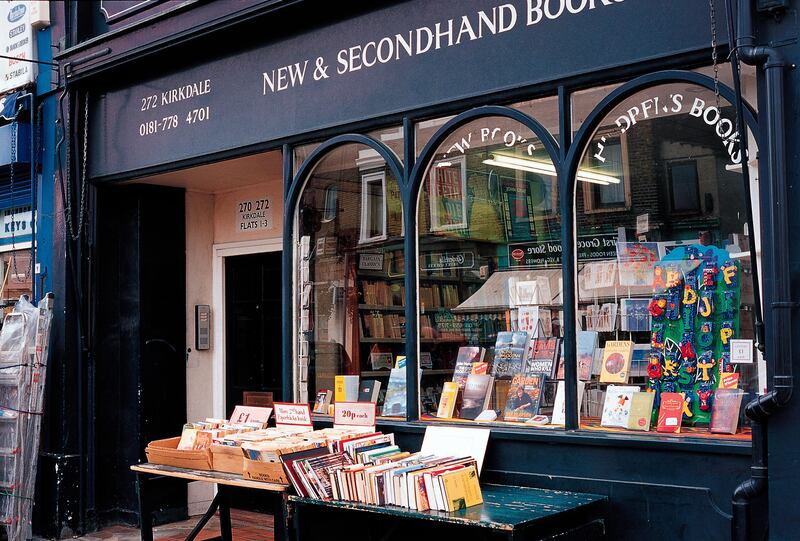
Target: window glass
391	136
350	295
489	277
665	293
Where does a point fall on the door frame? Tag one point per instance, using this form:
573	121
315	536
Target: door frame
218	369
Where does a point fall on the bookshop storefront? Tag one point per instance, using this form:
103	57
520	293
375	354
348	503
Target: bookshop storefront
546	218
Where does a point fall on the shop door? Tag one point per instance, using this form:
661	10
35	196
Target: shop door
253	325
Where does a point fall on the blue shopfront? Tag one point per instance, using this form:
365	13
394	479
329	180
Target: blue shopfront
597	174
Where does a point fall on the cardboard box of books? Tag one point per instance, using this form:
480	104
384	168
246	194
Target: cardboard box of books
261	462
166	453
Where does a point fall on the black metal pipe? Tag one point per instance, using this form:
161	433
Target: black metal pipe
761	408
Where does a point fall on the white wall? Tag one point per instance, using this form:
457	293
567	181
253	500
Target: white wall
210	225
199	258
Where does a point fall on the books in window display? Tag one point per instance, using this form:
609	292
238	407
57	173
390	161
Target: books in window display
524	397
587	342
476	396
509	354
369	390
394	403
617	405
542	356
382	293
467	356
380	325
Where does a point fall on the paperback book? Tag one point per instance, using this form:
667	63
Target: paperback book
617	405
641	413
477	395
670	413
543	354
369	390
616	364
509	355
394	404
447	402
524	397
467	356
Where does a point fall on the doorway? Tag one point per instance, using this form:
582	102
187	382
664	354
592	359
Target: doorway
252	326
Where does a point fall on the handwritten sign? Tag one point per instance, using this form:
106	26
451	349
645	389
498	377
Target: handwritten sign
250	414
354	414
292	414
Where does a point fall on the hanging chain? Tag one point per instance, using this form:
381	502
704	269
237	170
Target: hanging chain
713	13
71	231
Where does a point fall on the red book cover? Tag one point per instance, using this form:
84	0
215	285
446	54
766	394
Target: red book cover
670	413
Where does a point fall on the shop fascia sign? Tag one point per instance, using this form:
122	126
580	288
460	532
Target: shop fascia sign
676	104
548	253
288	85
17	222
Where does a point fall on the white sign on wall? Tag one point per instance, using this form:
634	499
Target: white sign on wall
18	41
17	222
254	215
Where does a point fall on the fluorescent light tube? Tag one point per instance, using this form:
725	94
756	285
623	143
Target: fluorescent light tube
545	168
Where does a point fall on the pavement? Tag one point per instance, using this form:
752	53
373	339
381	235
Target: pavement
246	525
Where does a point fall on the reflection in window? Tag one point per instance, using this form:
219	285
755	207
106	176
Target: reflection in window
331	203
489	278
664	281
373	206
683	185
447	192
350	272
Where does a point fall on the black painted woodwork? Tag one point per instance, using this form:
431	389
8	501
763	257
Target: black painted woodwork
138	373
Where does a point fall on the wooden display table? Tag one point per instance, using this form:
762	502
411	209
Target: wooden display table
507	513
148	473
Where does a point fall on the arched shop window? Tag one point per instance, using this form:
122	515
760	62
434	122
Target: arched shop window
665	292
489	276
350	269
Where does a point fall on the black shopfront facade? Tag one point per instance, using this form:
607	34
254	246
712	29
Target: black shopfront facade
622	118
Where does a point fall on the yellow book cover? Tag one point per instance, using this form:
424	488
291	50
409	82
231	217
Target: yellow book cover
462	488
339	389
641	411
616	361
447	402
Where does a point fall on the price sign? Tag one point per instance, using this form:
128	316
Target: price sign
354	414
292	414
249	414
741	351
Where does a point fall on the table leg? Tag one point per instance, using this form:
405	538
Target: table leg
280	516
145	511
224	513
204	520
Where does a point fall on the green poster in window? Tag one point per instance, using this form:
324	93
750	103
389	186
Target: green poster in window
518	212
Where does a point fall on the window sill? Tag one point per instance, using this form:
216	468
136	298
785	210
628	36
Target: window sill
556	435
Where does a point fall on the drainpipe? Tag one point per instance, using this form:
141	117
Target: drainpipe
762	407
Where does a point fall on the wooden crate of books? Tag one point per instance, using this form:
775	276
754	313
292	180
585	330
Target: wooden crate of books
227	458
269	468
166	453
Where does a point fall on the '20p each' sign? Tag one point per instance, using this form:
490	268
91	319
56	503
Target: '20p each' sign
354	414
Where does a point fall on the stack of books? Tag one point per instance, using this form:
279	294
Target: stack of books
371	469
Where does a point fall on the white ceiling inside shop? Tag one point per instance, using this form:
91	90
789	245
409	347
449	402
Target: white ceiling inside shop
224	176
